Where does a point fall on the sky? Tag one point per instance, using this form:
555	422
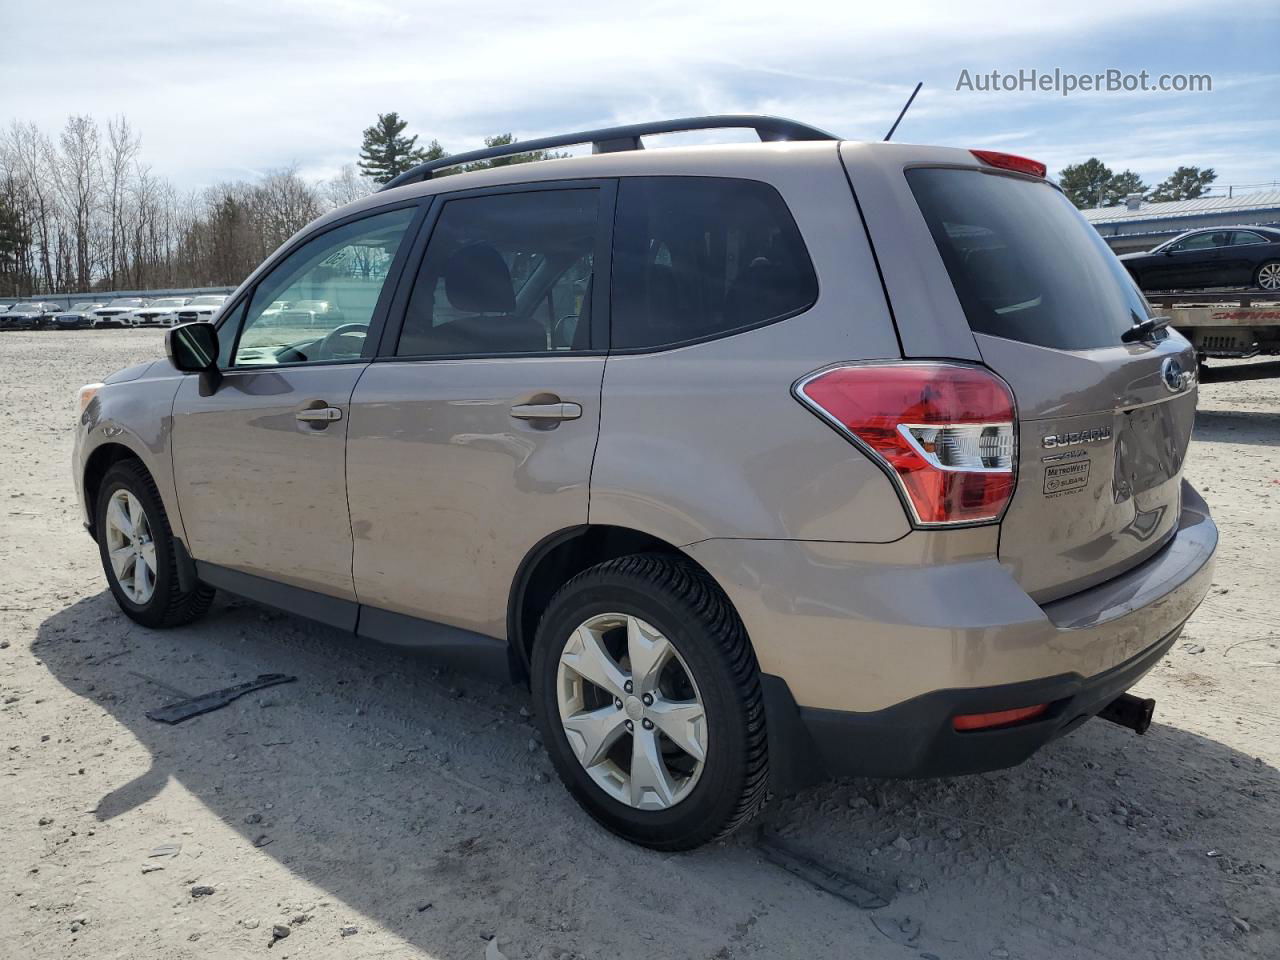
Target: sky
228	90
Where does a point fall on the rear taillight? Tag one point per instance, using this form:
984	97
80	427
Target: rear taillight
945	432
1011	161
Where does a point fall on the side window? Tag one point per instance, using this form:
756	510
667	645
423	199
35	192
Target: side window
506	273
698	257
317	303
1242	237
1201	241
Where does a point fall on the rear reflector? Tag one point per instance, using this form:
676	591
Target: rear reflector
943	431
1001	718
1011	161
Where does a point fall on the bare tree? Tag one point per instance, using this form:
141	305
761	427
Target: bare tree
347	187
78	175
31	156
123	144
87	213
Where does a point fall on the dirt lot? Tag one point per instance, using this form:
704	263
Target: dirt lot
418	810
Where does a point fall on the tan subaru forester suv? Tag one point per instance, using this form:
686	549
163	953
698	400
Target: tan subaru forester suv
759	463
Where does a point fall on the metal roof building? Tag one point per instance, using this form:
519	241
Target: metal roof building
1139	225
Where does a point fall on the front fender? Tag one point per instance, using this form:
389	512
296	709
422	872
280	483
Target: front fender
136	414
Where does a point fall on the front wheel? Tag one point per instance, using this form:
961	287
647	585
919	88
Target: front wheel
138	551
648	696
1268	277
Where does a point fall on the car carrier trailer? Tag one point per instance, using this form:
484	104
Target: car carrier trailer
1224	325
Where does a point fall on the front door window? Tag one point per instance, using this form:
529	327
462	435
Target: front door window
317	304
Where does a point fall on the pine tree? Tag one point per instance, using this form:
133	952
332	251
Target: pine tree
1185	183
1120	186
14	239
1085	184
386	152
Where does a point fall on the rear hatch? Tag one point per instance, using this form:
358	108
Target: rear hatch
1104	425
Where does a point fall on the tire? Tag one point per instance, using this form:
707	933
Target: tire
165	604
710	667
1268	277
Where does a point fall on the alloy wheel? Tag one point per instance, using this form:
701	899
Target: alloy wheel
130	546
1269	276
631	712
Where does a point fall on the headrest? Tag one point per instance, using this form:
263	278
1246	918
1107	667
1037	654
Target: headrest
476	280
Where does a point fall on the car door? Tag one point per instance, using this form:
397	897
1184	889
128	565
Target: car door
1190	263
260	460
1241	257
472	433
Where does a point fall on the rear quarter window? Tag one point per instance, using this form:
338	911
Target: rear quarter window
1024	263
701	257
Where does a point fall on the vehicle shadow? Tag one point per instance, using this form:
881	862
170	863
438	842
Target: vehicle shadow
392	785
1240	371
1252	427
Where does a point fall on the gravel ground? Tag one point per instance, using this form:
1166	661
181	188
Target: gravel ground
380	808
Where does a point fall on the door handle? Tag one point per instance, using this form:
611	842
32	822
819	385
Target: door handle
319	415
547	411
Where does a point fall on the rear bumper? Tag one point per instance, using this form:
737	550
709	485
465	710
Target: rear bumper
869	650
916	738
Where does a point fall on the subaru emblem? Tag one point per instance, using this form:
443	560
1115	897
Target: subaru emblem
1175	378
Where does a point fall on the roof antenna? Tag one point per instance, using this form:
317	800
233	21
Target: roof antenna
889	136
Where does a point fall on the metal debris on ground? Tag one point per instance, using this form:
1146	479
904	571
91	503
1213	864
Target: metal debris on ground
205	703
778	852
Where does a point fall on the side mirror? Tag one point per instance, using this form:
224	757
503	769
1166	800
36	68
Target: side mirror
193	348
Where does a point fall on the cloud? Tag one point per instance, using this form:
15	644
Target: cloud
219	88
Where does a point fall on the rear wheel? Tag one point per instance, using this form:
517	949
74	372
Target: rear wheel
1268	277
139	553
648	696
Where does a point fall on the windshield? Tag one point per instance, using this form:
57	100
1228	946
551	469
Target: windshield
26	308
1024	263
206	301
84	306
175	302
125	303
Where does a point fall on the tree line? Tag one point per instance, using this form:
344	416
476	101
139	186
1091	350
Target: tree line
1093	184
81	210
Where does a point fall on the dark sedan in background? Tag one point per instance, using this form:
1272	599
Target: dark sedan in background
1215	257
29	315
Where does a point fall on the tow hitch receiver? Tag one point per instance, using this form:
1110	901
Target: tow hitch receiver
1130	711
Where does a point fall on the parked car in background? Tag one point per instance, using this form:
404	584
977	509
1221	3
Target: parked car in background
31	315
77	316
116	312
1217	257
202	309
158	313
308	313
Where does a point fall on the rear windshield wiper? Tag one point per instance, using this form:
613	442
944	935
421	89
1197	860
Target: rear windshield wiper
1145	329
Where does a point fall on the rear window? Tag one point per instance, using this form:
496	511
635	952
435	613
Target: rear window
700	257
1024	263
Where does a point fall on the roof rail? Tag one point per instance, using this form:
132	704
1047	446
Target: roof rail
616	139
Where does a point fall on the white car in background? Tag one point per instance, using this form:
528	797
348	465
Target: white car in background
161	312
116	312
202	308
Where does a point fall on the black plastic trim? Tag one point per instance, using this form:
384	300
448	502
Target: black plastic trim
333	611
465	649
622	138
